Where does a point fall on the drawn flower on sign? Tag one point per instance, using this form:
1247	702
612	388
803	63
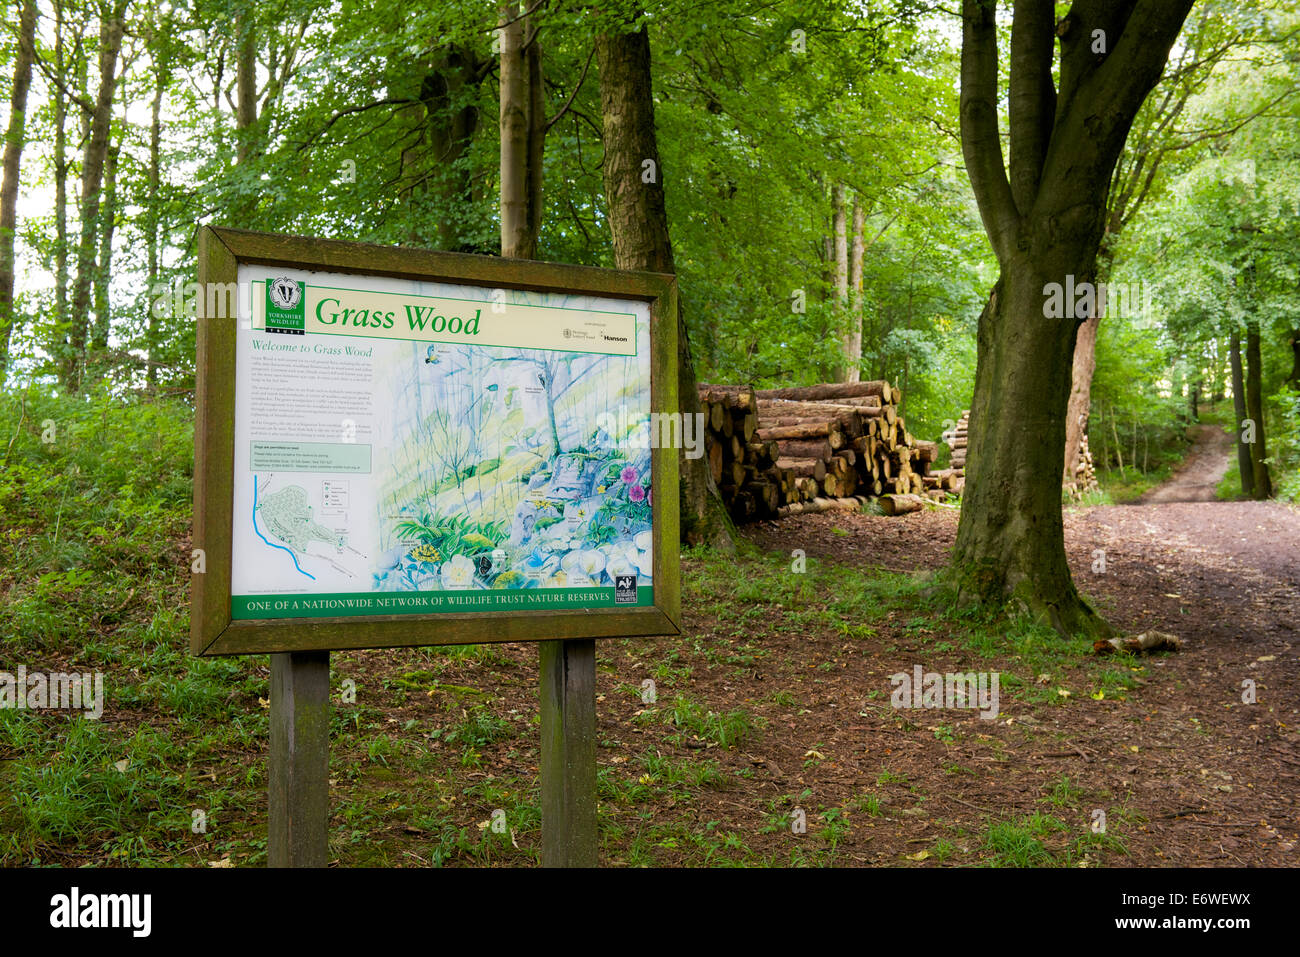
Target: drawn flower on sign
637	493
628	475
457	573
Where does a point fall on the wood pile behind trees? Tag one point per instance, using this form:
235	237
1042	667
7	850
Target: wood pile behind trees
1085	475
956	440
1085	478
778	452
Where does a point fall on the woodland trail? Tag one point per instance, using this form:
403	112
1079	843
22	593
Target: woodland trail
1215	779
1198	477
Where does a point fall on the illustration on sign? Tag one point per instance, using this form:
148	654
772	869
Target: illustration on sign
412	447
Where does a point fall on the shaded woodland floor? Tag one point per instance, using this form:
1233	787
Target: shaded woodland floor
1215	780
772	707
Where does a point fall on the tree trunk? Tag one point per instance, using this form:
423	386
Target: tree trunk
1044	214
1244	466
104	264
855	294
15	137
1077	412
1293	341
245	85
444	123
92	173
1010	540
153	216
638	221
840	274
60	180
523	125
1262	484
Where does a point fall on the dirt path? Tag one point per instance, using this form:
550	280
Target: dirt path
1202	470
1214	779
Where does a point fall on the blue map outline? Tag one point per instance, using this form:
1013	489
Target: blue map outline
271	543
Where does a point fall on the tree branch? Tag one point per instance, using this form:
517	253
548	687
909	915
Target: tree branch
980	141
1032	97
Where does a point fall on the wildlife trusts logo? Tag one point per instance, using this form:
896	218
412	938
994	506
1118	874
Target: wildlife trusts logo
625	590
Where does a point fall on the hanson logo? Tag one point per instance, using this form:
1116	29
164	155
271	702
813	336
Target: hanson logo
285	309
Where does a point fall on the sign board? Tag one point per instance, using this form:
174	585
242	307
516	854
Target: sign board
404	447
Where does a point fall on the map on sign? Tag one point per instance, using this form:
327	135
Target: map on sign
283	518
405	447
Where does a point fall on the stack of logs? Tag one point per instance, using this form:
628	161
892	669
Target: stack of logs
778	452
956	440
1085	475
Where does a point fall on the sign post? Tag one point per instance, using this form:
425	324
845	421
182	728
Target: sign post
300	757
400	447
568	758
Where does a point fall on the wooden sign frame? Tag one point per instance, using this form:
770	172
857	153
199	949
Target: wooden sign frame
213	630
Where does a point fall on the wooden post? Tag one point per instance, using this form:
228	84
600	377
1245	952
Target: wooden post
568	757
299	772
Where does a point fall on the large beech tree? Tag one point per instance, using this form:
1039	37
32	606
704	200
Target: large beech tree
1044	214
638	222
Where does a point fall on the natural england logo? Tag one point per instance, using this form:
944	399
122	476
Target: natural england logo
930	689
57	689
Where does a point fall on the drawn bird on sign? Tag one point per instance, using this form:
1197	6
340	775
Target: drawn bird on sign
431	357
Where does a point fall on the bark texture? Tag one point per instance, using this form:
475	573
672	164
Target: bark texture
92	176
1244	467
638	221
1045	214
15	138
856	249
523	130
1261	484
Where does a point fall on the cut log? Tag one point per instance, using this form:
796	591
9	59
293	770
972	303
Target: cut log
831	390
730	396
901	504
801	468
805	430
804	449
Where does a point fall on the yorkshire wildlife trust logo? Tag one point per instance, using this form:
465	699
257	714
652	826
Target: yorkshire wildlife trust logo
625	590
285	309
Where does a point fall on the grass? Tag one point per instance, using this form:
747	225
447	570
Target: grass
426	744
